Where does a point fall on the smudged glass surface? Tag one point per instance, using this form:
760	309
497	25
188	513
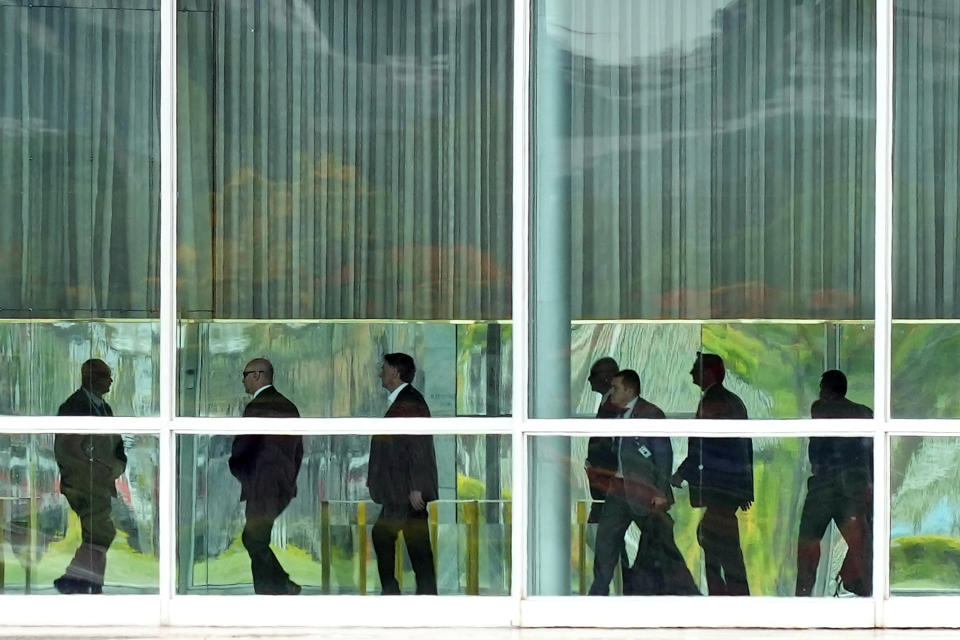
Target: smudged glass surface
768	531
80	196
322	538
42	532
330	369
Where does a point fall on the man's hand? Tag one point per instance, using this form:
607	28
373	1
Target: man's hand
416	501
676	480
658	502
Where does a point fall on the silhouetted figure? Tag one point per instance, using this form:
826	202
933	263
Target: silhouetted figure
89	467
719	472
402	479
839	489
639	491
267	468
601	464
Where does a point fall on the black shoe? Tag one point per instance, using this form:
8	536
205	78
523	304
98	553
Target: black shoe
69	585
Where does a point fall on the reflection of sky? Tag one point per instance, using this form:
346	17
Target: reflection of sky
939	521
617	31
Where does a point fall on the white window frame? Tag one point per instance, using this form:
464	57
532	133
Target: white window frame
519	608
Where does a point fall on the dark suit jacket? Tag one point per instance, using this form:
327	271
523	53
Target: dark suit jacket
601	462
86	460
832	455
400	464
265	464
647	461
719	470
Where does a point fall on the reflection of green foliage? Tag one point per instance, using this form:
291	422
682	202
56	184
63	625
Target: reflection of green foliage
927	561
923	363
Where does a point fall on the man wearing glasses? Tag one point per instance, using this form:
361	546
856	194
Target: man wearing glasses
267	468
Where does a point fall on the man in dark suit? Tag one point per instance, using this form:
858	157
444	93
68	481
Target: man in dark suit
402	479
638	491
89	467
267	468
839	489
720	474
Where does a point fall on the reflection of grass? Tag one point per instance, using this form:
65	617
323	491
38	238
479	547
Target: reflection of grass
125	566
925	561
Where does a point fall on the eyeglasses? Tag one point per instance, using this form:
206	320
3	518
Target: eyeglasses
246	373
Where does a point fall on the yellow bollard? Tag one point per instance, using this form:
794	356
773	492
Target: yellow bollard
362	548
325	558
582	546
471	515
433	521
508	541
398	560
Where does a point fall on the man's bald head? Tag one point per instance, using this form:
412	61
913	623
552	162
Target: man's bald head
257	374
95	376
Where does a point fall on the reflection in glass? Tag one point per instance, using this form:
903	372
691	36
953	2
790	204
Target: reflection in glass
926	123
769	530
924	502
323	537
79	192
331	368
773	367
54	526
700	161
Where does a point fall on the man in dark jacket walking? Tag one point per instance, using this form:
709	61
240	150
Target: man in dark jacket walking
719	472
839	489
267	468
89	467
402	479
639	491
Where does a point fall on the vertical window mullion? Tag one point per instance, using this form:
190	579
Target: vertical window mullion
883	283
168	300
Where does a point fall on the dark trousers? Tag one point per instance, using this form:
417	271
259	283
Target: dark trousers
96	533
656	529
416	534
719	536
849	505
268	576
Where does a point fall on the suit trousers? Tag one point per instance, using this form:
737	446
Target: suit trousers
655	527
719	536
268	576
416	534
96	533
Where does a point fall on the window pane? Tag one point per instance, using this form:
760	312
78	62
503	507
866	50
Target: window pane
78	513
79	191
326	537
924	536
700	161
596	528
926	126
345	160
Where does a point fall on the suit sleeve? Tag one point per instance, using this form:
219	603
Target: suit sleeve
663	462
422	466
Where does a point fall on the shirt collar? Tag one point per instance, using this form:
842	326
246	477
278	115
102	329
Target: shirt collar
628	410
258	391
96	400
393	394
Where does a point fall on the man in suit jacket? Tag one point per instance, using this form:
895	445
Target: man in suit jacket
267	468
719	472
89	467
600	464
638	491
402	478
839	489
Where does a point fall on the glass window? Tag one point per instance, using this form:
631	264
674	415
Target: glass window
78	513
345	191
646	515
335	519
925	170
703	181
79	191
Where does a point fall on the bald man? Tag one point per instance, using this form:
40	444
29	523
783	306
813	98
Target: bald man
267	468
89	467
